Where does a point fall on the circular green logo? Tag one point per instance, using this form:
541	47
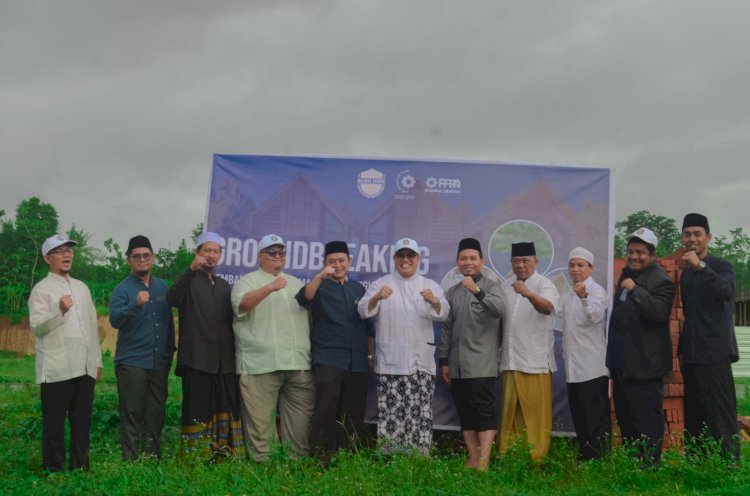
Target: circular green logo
520	231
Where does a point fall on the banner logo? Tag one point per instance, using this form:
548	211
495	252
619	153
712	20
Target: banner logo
442	185
405	181
371	183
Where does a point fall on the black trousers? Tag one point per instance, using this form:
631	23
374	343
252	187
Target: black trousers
143	399
73	398
589	407
475	403
639	406
339	415
711	405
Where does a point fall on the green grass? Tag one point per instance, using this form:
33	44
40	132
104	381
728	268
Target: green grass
362	473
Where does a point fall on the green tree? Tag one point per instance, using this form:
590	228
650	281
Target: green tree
736	249
21	265
115	265
171	263
87	258
197	231
22	241
665	229
13	292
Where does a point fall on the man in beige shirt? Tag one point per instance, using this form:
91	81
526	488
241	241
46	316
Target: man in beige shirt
68	356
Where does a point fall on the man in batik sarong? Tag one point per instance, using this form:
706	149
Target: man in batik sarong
205	355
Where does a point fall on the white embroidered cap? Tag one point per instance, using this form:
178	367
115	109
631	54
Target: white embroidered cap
270	240
644	234
407	243
54	241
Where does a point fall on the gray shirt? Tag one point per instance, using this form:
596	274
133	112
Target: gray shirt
470	339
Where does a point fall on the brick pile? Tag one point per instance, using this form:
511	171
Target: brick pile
674	391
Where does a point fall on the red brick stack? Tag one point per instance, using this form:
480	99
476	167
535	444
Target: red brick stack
674	394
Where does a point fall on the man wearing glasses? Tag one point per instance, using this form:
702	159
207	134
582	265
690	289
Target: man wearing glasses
68	356
272	336
145	344
405	305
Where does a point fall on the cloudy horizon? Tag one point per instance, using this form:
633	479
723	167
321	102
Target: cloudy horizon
113	110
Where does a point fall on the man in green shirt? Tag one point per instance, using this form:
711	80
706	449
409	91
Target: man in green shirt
272	343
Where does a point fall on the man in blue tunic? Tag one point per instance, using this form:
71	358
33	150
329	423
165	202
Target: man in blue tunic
145	344
342	352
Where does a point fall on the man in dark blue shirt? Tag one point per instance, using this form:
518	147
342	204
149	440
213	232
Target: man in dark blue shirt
342	352
145	345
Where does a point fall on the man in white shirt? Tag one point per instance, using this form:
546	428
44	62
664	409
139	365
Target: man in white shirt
68	356
527	358
405	305
584	312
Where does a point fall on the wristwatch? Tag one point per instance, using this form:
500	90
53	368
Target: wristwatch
701	265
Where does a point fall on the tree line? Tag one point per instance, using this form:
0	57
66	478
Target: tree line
22	265
734	246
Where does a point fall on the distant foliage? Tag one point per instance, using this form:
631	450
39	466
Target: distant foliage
736	249
170	263
21	241
13	302
665	229
22	264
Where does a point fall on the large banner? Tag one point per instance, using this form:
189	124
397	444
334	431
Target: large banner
370	203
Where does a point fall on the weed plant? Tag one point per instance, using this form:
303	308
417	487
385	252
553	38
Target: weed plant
361	473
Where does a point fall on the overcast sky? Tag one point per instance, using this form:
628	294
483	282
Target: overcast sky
112	110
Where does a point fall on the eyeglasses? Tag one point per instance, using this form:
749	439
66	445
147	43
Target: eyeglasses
141	257
275	253
61	251
406	254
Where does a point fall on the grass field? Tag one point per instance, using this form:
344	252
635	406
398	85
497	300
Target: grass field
363	473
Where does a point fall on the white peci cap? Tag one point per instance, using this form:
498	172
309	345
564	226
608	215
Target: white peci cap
208	237
581	253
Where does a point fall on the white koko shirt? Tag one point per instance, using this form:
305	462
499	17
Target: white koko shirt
404	335
584	333
67	346
528	340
